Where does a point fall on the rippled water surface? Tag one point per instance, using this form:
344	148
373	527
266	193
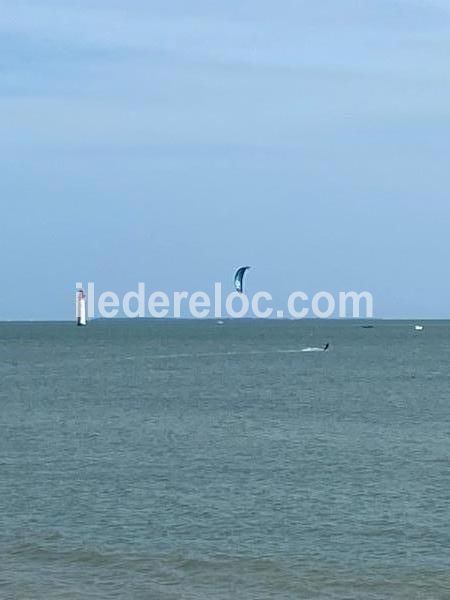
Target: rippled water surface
197	461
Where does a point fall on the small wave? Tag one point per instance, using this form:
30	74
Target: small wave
47	551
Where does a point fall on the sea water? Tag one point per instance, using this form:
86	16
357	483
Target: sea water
191	460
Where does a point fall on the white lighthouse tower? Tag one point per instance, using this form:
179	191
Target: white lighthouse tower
80	307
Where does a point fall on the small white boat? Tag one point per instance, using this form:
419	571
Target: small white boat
418	327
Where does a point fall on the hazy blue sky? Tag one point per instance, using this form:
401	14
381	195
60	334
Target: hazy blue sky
171	141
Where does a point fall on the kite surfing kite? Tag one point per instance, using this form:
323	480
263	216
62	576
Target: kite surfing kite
239	279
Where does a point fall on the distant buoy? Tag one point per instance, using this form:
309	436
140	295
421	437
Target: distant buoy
80	307
418	327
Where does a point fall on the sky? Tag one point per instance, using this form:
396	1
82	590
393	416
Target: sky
171	142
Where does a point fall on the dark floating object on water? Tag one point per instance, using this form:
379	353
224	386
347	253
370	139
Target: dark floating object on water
367	326
325	348
239	279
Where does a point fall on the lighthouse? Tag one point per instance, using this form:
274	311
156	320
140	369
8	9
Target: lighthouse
80	307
